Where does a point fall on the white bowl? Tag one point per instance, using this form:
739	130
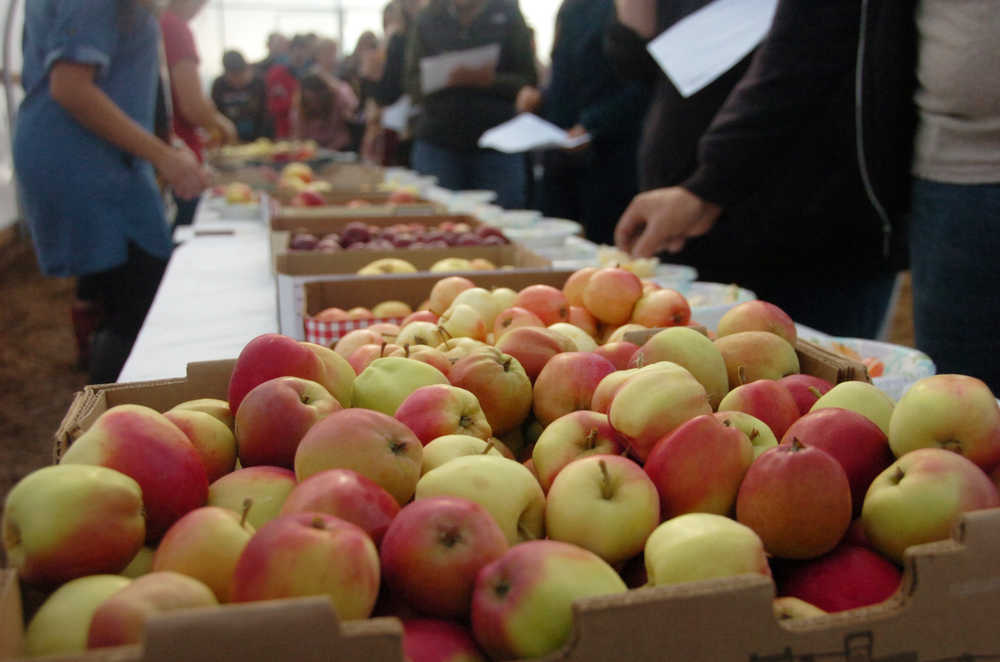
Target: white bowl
710	301
519	218
479	196
488	213
546	233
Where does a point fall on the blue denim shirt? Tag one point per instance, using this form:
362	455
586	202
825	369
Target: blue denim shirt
85	199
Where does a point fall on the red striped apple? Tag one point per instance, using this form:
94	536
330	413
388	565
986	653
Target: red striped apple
753	355
575	435
439	409
766	399
847	578
500	384
758	315
567	384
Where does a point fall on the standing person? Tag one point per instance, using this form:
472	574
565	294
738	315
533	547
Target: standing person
594	183
282	81
453	118
241	95
955	233
383	83
324	112
800	188
193	110
85	153
350	70
277	53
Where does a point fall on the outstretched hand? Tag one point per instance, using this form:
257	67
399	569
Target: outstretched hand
183	173
663	220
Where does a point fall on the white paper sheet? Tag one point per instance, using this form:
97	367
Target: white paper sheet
397	116
706	44
436	70
526	132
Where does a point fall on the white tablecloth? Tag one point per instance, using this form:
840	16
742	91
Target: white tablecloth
217	294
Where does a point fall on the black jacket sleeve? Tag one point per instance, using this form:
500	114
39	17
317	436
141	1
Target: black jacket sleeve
389	88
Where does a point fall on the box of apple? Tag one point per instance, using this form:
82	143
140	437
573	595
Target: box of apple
510	479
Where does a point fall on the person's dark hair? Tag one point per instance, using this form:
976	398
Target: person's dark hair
300	41
233	62
317	97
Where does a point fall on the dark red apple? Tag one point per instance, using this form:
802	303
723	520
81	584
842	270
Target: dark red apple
801	387
848	577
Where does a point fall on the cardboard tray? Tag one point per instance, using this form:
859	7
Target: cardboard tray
336	205
946	609
321	223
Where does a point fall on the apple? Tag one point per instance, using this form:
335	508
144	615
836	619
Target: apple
429	355
140	442
374	444
607	387
581	317
921	497
352	340
512	318
567	383
620	353
548	302
766	399
433	550
141	564
331	314
421	315
604	503
787	608
121	619
305	554
451	264
68	520
456	349
575	284
432	640
267	488
448	447
238	193
693	350
499	383
858	444
862	397
439	409
206	544
847	578
444	291
582	341
211	406
391	308
534	583
611	294
504	487
619	333
273	355
359	313
699	467
699	546
753	355
388	381
348	495
757	431
307	198
420	333
533	347
298	170
213	439
651	404
402	196
797	499
806	389
387	265
275	415
504	298
661	307
62	622
570	437
362	357
757	315
463	321
954	412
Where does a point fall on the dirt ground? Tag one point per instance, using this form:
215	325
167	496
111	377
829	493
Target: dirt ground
38	374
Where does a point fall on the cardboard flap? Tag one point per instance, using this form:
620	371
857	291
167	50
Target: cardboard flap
304	630
11	626
210	377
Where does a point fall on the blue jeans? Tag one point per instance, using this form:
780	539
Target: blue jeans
954	249
479	169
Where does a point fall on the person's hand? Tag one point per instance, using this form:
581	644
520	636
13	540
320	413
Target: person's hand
181	170
227	130
472	77
574	132
663	220
528	99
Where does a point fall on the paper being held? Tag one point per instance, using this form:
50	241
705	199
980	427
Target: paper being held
436	70
527	132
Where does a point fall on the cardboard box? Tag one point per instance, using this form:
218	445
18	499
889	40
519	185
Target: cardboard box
945	611
344	177
337	205
321	223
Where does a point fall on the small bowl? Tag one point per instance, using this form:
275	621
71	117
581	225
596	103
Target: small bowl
519	218
546	233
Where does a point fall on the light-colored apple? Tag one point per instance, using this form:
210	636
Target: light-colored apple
391	308
482	301
463	321
212	406
757	431
444	291
691	349
576	435
387	265
266	487
866	399
448	447
386	382
611	293
757	315
61	624
213	439
575	284
582	341
753	355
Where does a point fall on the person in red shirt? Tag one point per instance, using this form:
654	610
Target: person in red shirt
192	108
283	86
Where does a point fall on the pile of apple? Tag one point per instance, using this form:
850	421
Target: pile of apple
359	235
495	457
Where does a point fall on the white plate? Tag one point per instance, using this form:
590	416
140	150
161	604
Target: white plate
546	233
675	276
710	301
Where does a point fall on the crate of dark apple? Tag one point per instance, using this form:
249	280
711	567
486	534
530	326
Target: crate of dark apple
362	235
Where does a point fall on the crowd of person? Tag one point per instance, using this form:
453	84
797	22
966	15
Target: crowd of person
855	140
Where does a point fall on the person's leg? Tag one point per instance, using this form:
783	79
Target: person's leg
954	243
503	173
446	165
559	191
126	293
185	211
86	314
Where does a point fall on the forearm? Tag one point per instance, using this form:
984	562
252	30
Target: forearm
639	15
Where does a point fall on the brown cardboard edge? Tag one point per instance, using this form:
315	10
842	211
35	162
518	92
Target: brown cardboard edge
11	618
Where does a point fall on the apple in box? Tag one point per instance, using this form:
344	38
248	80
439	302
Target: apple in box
433	640
499	383
567	383
758	315
438	409
267	488
753	355
450	446
692	350
570	437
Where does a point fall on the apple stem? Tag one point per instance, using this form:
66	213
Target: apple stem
318	523
489	446
247	503
444	334
406	350
754	434
898	475
506	364
815	391
606	491
381	351
796	444
591	439
741	375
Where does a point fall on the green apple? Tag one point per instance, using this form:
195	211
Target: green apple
702	546
65	521
861	397
450	446
757	431
267	487
507	489
61	624
211	406
386	382
954	412
141	564
753	355
604	503
692	350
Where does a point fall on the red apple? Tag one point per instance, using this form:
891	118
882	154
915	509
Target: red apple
432	640
577	434
846	578
581	317
611	294
438	409
663	307
533	347
765	399
548	302
567	383
802	386
619	353
513	317
499	383
434	549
